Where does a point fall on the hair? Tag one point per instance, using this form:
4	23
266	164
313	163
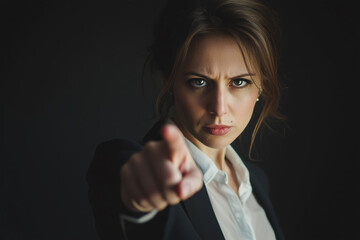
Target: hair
251	23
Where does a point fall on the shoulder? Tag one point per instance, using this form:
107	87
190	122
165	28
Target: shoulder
110	156
116	152
117	149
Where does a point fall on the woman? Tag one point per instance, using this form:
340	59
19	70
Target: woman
217	60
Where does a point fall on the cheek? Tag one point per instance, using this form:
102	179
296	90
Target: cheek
187	105
243	108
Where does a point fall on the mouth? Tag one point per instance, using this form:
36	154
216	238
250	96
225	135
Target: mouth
217	130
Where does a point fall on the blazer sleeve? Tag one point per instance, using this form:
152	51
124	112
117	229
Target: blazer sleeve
103	178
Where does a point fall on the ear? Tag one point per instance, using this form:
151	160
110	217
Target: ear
260	91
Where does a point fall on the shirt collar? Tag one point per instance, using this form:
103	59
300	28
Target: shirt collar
206	165
211	172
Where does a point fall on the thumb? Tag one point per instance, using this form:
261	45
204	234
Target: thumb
172	174
191	183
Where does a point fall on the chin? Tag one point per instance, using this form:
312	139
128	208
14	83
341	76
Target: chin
216	142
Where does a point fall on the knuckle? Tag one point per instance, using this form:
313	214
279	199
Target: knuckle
125	173
143	202
161	205
158	200
173	200
135	156
156	197
150	146
134	159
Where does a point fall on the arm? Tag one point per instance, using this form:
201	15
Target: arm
142	179
103	178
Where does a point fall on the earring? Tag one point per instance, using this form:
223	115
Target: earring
260	91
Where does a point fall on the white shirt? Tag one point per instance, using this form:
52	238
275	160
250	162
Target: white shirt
240	216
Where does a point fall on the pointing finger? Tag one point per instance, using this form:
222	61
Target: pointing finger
175	142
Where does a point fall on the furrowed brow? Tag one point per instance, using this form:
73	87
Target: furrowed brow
206	77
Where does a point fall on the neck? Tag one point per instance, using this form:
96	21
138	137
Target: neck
216	155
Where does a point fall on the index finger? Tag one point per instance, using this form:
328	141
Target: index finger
175	142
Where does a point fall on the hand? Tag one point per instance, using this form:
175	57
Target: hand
163	173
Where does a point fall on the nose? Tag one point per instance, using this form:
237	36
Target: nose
217	104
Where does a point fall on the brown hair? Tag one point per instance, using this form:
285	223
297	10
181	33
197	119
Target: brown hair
251	23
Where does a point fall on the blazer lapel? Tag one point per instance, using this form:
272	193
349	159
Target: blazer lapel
198	207
201	214
262	195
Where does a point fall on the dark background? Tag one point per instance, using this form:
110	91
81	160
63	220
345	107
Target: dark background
71	78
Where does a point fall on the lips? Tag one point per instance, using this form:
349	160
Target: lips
217	130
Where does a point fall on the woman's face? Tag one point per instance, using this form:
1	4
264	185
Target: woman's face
214	93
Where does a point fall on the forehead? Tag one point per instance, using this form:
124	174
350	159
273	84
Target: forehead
216	54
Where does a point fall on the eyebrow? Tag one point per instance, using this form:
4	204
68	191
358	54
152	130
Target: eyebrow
206	77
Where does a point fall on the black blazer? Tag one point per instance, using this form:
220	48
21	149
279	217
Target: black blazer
191	219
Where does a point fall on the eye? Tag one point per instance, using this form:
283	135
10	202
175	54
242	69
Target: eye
197	82
240	82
